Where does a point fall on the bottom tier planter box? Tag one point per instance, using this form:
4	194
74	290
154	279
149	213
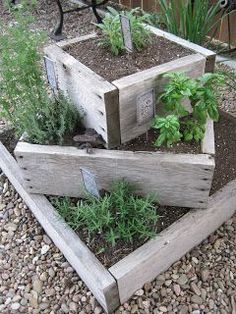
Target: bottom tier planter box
175	179
116	285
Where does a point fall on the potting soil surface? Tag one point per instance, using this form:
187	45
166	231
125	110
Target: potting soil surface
145	142
113	67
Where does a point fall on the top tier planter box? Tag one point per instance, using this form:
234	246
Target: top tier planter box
113	108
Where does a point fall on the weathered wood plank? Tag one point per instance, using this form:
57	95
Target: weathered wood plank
208	143
96	98
208	54
91	271
152	79
67	42
176	179
159	254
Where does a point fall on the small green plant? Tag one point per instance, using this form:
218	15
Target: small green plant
118	215
24	99
111	29
181	122
192	20
169	127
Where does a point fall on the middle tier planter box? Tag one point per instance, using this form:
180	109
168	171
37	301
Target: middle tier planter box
122	109
175	179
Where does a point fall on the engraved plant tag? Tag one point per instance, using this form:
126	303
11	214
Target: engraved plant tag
51	75
126	33
89	182
145	107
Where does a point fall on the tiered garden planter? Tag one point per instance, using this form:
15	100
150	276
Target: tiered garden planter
115	285
175	179
111	109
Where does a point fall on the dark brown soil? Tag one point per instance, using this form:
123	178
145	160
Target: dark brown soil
225	139
109	255
145	142
113	67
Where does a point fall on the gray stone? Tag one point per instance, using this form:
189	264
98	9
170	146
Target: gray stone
196	299
183	279
15	306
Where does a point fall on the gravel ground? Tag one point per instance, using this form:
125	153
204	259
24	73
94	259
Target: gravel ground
35	277
228	95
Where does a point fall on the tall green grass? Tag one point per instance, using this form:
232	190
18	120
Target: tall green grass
192	20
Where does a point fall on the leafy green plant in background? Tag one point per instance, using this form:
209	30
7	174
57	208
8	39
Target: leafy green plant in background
181	122
118	215
24	99
192	20
111	30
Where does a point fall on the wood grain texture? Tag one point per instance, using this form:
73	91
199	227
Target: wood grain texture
208	143
176	179
137	84
159	254
96	98
208	54
90	270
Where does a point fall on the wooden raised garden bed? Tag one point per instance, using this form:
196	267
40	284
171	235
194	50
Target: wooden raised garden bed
175	179
122	109
115	285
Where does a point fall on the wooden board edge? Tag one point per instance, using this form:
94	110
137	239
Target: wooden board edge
159	70
57	54
165	158
164	250
111	100
97	278
183	42
65	43
208	143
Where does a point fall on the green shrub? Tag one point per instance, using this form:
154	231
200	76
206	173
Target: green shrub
192	20
24	99
111	29
119	215
179	122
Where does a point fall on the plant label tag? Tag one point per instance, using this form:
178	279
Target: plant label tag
145	107
126	32
50	70
89	182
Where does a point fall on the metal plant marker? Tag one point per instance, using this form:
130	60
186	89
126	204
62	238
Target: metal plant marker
126	32
89	181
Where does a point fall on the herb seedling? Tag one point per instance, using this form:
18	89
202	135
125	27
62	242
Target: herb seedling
112	34
169	127
202	94
118	215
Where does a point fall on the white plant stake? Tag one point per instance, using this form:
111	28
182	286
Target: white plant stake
126	33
